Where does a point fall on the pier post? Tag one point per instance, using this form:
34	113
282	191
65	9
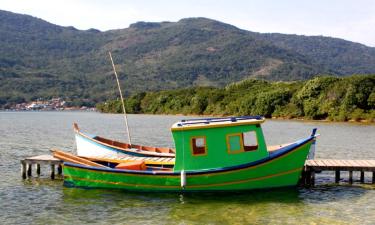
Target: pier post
302	181
37	166
29	169
362	179
23	169
312	178
59	169
373	177
52	171
337	176
350	177
307	180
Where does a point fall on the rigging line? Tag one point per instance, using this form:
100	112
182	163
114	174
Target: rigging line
122	100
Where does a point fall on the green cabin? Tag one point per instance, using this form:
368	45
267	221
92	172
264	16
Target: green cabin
218	142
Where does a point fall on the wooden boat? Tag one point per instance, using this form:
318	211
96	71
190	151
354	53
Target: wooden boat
92	146
214	154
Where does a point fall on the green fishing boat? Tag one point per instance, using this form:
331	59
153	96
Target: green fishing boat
212	154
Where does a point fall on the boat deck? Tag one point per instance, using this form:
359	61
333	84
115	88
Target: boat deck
148	160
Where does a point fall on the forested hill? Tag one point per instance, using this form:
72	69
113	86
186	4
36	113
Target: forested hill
323	97
40	59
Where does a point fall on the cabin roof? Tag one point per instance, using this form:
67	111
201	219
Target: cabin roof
201	123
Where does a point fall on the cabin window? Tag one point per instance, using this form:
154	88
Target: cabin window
250	142
235	143
241	142
198	145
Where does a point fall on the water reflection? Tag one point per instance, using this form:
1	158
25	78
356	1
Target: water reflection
199	208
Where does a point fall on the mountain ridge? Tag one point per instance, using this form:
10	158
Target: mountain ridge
40	59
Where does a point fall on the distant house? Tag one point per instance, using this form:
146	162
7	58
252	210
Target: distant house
35	106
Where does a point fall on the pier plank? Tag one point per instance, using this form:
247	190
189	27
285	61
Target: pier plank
313	162
346	164
320	163
358	163
351	163
337	163
371	162
323	163
366	163
310	162
43	159
330	163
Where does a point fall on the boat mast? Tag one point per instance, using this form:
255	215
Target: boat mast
122	100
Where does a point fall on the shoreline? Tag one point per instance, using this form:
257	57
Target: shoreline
364	122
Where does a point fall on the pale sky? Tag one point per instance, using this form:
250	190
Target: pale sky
352	20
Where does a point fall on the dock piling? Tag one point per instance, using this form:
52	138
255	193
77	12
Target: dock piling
59	169
337	176
362	179
29	169
37	166
307	176
312	179
52	171
23	169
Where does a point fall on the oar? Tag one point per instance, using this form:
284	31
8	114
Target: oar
67	157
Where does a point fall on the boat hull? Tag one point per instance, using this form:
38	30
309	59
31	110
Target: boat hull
86	147
280	169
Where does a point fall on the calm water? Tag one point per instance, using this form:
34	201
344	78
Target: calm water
42	201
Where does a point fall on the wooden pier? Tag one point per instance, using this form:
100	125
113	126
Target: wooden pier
28	163
318	165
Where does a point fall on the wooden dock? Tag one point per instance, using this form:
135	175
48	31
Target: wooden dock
28	163
318	165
